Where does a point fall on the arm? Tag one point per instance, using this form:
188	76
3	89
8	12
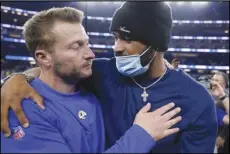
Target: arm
226	104
148	128
226	119
201	134
41	137
223	136
135	140
13	91
219	92
224	132
222	116
32	73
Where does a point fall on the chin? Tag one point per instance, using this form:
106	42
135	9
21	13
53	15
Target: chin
86	74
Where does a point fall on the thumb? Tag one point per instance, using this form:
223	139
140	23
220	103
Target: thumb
145	109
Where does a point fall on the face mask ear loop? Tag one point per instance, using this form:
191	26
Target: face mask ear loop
145	51
153	56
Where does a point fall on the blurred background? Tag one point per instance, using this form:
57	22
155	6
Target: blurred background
200	35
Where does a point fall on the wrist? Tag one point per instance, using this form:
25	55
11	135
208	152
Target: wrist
223	97
27	78
222	94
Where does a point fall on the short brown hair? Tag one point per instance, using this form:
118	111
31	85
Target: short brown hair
37	31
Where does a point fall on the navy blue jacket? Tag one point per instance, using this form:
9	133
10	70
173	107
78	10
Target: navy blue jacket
121	99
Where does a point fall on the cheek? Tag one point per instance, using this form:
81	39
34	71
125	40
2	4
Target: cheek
134	48
66	63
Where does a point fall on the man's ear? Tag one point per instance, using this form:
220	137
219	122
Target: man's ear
43	57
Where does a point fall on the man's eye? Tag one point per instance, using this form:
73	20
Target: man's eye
75	47
126	38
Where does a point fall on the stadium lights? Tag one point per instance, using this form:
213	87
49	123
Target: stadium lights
172	37
187	67
8	39
203	3
187	70
5	8
180	3
110	18
167	2
199	3
33	62
183	2
91	2
204	67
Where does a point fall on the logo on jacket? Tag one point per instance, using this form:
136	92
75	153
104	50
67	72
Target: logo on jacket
82	114
18	133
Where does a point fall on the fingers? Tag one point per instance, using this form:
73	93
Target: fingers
4	120
20	115
145	109
163	109
170	131
172	122
216	84
36	98
171	114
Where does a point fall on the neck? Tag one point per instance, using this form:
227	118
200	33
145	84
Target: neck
157	67
57	83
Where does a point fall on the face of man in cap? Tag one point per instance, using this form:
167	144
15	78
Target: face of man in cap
141	31
125	46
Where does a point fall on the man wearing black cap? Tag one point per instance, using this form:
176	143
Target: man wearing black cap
137	75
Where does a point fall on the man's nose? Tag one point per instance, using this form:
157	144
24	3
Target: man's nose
89	54
118	47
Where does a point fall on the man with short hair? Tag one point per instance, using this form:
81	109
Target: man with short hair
72	120
219	90
137	75
175	63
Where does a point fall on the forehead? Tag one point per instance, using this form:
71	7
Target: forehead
65	31
218	77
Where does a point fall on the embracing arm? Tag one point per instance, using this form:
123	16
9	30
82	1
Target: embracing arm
148	128
41	137
135	140
33	73
13	91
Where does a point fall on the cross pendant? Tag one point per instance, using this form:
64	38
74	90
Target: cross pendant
144	95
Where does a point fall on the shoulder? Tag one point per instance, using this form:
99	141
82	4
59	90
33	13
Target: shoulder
188	84
104	68
103	63
192	90
198	98
34	114
89	96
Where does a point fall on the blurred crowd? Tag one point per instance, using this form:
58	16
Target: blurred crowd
218	85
